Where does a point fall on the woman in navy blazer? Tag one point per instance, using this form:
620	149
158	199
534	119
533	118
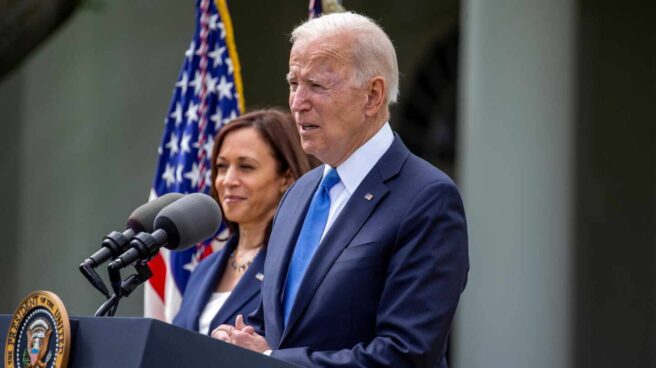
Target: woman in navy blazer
256	158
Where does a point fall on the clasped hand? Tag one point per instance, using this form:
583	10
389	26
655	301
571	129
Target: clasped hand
241	335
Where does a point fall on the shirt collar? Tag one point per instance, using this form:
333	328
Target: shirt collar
357	166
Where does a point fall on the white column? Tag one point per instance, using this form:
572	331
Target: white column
517	109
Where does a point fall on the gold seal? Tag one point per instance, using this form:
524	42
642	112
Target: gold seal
39	333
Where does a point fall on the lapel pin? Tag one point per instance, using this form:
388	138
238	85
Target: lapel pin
259	276
368	196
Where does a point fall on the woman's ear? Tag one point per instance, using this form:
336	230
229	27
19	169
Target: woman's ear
286	179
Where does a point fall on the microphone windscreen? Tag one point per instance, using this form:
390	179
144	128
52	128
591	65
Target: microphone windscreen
142	218
190	220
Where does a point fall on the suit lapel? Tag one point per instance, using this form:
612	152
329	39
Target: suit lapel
208	285
364	200
246	288
283	240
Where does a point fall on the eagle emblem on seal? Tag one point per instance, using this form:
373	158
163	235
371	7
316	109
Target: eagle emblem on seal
38	336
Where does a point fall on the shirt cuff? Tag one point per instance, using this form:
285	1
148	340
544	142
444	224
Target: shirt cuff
267	352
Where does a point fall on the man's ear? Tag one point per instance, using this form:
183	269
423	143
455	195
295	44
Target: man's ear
376	96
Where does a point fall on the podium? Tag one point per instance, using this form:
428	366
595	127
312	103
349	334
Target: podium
144	343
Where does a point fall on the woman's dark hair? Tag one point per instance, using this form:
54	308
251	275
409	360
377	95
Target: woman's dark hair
279	131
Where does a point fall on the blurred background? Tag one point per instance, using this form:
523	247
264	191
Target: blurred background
541	110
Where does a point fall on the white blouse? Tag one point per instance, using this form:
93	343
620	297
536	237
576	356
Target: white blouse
211	309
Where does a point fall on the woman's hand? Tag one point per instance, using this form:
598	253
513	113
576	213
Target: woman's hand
241	335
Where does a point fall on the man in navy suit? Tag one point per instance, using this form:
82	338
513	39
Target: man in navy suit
368	253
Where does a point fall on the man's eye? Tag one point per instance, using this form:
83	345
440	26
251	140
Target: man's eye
316	85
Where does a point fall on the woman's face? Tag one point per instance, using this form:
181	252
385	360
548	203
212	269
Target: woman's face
247	179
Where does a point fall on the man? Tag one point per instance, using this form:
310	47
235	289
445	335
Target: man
365	263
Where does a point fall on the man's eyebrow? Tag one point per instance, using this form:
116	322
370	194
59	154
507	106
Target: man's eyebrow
289	76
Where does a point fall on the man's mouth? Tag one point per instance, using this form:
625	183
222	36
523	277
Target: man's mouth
308	127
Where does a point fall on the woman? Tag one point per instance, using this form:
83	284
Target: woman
256	158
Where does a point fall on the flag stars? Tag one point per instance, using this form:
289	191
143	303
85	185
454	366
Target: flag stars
222	28
208	178
178	173
214	22
227	119
190	51
210	84
177	114
168	175
216	118
183	83
208	146
224	88
193	262
173	145
196	83
217	55
184	144
192	113
193	175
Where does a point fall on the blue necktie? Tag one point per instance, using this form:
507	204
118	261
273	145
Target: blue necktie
308	239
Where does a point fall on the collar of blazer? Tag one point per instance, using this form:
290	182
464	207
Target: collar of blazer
246	288
358	209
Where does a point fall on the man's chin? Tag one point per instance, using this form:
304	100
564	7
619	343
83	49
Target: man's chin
309	147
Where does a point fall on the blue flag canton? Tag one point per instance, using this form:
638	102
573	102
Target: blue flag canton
315	9
202	103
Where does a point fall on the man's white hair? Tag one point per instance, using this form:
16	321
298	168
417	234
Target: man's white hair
372	50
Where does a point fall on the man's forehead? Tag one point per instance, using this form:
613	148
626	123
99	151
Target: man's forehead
319	56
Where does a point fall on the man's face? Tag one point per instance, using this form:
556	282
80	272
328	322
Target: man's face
327	103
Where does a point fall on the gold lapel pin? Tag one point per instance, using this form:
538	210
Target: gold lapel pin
368	196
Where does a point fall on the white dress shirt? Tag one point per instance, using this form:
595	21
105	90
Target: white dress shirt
354	170
211	309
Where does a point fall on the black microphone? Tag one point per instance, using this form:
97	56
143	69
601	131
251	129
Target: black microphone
182	224
141	219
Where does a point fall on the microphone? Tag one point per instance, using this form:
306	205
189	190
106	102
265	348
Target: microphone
182	224
141	219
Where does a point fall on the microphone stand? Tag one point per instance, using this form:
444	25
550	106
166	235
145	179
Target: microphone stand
123	288
92	276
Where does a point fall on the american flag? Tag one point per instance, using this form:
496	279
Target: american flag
319	7
207	94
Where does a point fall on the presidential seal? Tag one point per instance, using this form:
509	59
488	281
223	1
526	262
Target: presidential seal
39	333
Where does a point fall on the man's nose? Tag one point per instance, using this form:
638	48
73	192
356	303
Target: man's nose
298	99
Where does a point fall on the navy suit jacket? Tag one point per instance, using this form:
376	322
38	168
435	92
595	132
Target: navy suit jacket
244	299
383	285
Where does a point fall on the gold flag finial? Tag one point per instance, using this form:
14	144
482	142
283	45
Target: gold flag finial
332	6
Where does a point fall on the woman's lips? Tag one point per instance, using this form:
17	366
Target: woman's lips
233	199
